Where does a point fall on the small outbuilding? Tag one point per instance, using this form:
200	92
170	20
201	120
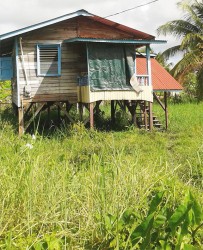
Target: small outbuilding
79	58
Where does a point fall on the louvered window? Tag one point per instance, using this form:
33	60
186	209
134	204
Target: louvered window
49	60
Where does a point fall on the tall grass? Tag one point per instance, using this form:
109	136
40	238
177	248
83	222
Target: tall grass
56	190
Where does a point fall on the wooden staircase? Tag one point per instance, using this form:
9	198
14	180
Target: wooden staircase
142	118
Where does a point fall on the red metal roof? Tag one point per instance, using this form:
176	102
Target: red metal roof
136	33
161	79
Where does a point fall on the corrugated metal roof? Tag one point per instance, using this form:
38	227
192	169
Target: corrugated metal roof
161	79
44	24
119	41
137	33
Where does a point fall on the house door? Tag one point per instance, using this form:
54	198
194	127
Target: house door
6	70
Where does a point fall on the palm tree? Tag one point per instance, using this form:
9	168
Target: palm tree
159	57
163	61
190	32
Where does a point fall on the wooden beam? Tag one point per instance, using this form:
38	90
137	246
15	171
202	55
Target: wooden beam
86	106
132	109
166	109
145	115
80	111
91	109
65	112
150	117
96	108
21	129
134	118
48	114
122	105
28	108
113	111
86	120
159	101
68	106
129	108
134	121
35	114
59	113
17	72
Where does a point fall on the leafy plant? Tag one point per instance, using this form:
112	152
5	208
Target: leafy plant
5	91
162	228
85	189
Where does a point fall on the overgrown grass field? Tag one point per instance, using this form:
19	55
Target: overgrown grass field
81	189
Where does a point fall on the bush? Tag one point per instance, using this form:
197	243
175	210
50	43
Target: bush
5	91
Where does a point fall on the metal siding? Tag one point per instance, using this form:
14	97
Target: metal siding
88	96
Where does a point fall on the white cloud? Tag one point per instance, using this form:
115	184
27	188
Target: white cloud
18	14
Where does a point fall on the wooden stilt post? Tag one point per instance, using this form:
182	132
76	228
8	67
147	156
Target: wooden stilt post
59	113
91	107
145	115
21	121
166	109
67	106
150	117
134	120
96	108
67	110
113	111
48	113
80	111
124	106
60	107
39	109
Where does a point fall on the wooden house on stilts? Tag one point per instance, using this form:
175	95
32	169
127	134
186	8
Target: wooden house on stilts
78	58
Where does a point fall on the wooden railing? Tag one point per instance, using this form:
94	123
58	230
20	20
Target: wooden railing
143	80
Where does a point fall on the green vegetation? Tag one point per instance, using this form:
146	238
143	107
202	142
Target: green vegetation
79	189
189	31
5	91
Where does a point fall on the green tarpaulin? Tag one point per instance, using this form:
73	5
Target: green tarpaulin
110	66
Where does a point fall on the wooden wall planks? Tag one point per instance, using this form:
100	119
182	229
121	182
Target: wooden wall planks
73	57
94	29
45	88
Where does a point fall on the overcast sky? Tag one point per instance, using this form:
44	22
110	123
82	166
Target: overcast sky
16	14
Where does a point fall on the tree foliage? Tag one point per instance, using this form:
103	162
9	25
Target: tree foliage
163	61
190	32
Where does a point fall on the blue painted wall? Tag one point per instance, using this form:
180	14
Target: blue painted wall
6	69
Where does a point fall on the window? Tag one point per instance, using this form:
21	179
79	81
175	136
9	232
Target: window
49	60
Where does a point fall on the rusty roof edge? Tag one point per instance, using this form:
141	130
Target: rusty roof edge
124	27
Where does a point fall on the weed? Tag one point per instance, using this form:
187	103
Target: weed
82	189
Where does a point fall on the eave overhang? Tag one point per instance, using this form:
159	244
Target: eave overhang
168	90
114	41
